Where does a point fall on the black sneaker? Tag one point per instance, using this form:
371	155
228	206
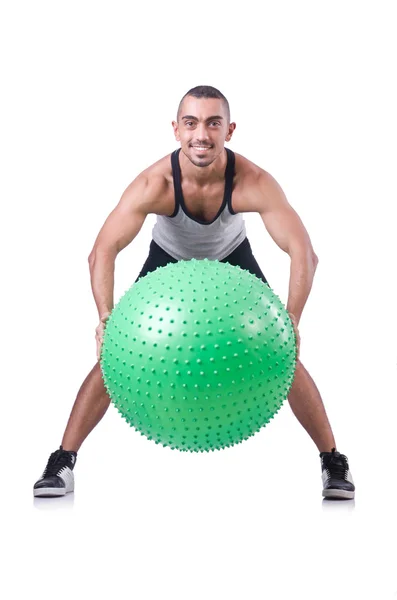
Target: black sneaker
337	479
58	477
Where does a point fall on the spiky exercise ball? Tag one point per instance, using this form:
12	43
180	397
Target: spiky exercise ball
198	355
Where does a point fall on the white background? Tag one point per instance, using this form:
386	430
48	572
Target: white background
89	90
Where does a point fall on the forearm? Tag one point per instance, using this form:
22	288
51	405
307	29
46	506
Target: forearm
303	268
102	281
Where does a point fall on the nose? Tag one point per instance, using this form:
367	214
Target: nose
201	132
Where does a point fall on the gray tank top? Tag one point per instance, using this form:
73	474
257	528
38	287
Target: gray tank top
183	236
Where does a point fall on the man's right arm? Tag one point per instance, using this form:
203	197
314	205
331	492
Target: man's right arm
119	229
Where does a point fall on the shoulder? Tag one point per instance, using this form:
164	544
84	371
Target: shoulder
255	188
250	173
153	187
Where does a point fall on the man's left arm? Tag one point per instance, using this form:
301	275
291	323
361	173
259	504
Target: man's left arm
287	230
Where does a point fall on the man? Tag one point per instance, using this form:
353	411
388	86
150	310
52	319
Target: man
198	194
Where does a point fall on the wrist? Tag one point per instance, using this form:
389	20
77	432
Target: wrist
104	315
294	315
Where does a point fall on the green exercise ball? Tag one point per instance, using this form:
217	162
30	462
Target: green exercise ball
198	355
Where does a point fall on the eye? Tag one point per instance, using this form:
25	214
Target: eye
188	123
215	123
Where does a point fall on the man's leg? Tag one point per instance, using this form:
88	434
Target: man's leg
91	403
307	405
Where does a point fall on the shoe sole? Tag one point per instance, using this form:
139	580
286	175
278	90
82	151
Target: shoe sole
342	494
50	492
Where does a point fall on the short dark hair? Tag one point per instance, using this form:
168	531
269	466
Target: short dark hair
205	91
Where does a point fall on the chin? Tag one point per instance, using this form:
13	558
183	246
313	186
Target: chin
200	161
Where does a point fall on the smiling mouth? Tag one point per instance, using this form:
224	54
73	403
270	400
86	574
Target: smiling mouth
202	148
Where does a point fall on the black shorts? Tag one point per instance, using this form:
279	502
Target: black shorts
242	257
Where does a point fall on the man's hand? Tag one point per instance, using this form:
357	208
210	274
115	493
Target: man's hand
99	334
298	339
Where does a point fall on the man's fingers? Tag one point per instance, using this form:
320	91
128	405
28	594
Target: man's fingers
297	335
99	342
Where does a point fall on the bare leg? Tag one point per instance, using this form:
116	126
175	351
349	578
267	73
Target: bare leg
90	405
304	398
307	405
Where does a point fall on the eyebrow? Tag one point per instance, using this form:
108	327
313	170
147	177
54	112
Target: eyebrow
196	119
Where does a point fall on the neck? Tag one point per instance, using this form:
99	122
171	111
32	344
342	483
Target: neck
203	175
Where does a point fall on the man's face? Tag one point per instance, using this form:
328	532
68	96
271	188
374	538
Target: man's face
202	129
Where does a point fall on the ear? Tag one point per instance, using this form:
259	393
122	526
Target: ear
232	127
176	131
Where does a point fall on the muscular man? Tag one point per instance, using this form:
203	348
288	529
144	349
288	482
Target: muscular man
199	193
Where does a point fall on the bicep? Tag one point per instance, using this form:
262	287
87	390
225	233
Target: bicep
125	220
286	228
281	221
